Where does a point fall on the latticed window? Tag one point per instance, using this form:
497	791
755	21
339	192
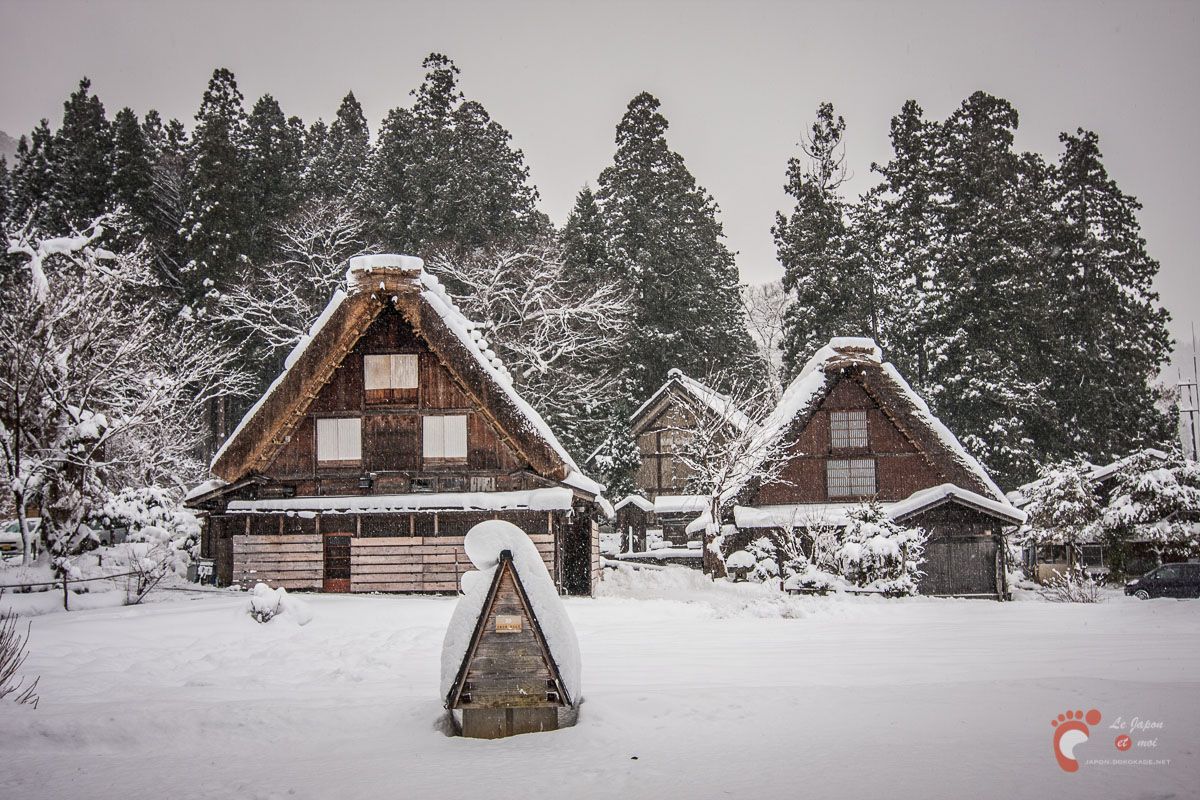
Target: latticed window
848	429
850	477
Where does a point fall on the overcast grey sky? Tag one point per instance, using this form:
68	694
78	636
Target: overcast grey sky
739	82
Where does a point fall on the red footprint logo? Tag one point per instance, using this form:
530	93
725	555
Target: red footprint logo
1069	731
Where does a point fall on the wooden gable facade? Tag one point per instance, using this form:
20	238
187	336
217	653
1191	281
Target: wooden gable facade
390	434
856	432
660	430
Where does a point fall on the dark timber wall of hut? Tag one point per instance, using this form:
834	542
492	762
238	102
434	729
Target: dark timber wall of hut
965	553
900	468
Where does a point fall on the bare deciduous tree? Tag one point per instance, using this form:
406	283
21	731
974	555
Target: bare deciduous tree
766	311
556	338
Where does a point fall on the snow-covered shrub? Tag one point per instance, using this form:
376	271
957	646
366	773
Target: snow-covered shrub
808	578
13	652
267	603
161	536
1073	586
1063	508
880	555
766	566
739	564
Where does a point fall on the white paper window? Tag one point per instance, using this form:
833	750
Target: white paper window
445	436
339	439
392	371
848	429
850	477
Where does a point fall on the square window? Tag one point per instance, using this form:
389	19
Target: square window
445	437
850	477
339	439
391	371
848	429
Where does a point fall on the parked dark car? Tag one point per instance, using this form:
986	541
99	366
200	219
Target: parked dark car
1169	580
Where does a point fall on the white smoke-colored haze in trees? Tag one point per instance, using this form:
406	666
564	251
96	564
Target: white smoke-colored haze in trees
739	83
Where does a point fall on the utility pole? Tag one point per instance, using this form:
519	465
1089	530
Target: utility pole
1189	403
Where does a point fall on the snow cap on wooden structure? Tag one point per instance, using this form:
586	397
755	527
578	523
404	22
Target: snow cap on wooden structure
701	396
861	360
374	283
510	641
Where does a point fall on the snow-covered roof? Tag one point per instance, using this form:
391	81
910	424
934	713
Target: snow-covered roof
208	487
814	381
812	515
705	396
484	544
925	498
550	499
361	280
667	503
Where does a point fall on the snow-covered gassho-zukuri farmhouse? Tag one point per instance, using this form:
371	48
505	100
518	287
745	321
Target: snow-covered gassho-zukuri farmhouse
855	430
392	430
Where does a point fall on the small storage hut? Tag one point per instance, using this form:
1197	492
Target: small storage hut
503	671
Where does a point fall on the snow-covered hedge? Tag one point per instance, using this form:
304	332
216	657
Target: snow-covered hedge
878	554
267	603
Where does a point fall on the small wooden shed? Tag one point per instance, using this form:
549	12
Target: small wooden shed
508	682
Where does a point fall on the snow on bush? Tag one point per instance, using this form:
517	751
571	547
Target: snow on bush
880	555
13	653
1155	500
1073	586
267	603
809	578
766	566
161	536
484	544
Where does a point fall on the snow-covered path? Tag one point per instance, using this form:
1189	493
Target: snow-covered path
733	693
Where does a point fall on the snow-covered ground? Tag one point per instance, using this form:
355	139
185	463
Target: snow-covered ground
692	690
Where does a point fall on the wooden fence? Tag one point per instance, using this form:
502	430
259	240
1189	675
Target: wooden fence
292	561
418	563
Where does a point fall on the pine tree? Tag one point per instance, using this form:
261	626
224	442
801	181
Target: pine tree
32	177
350	149
443	172
1111	338
82	163
220	201
823	268
318	163
133	176
667	246
274	166
5	199
584	242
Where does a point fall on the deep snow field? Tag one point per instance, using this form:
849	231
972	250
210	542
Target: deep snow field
692	690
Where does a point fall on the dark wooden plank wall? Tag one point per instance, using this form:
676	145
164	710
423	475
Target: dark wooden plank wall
508	669
419	563
291	562
900	469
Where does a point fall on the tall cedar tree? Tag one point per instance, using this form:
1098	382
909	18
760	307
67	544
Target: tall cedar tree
132	178
274	168
81	164
443	172
217	223
1112	334
350	149
169	185
823	269
667	245
32	177
584	242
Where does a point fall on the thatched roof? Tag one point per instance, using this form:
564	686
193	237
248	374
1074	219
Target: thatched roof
373	284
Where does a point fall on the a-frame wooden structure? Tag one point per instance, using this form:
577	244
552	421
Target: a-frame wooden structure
508	682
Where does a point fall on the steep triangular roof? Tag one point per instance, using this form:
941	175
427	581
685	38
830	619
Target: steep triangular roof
373	284
861	360
506	570
700	395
